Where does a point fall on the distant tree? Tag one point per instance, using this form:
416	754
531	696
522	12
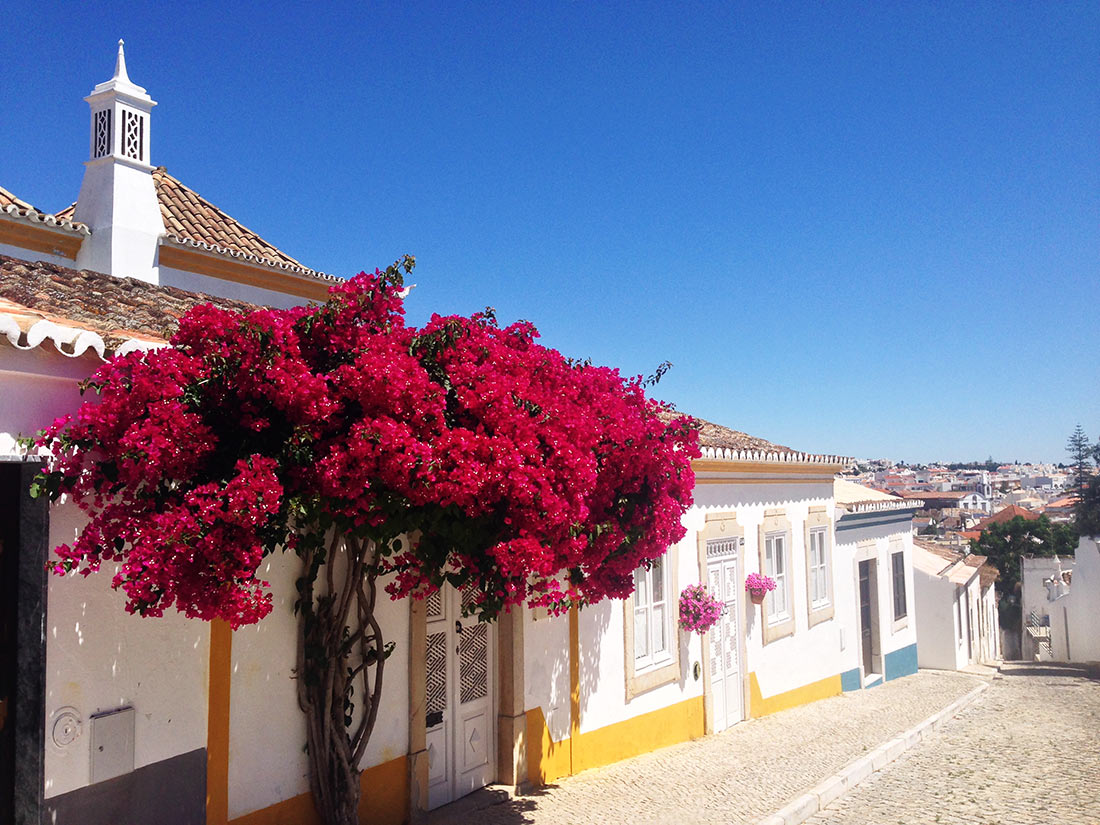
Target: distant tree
1088	501
1006	543
1081	456
1088	509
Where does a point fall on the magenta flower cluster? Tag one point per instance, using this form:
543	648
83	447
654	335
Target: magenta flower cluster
526	476
698	609
756	583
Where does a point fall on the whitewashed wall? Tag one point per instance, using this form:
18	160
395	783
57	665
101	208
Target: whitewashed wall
1083	612
936	639
194	282
885	539
812	653
33	255
546	670
37	386
603	651
267	731
99	658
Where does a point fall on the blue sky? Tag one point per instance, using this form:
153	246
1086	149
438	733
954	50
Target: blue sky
866	229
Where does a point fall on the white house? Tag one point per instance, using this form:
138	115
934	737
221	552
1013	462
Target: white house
874	549
1074	608
1043	581
134	220
957	618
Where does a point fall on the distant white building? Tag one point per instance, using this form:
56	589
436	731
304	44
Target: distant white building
957	617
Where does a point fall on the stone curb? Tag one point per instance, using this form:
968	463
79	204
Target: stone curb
825	792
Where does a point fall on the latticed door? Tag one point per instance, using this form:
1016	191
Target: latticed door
725	641
459	719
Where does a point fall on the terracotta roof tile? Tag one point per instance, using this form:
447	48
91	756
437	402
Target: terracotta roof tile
19	208
192	220
116	308
1007	514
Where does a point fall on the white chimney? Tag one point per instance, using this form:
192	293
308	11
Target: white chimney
118	200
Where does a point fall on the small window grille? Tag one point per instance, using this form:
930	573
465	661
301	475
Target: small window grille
102	132
133	135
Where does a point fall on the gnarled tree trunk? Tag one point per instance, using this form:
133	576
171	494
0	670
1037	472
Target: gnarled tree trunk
341	657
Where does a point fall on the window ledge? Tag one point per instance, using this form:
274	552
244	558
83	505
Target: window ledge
654	677
776	631
821	614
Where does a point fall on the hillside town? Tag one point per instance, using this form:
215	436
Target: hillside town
959	503
810	627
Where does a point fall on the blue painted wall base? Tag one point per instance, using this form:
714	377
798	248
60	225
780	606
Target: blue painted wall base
901	662
849	679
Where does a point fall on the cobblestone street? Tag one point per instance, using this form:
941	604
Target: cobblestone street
741	775
1027	752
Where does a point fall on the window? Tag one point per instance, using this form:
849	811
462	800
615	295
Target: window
774	549
817	540
958	616
651	643
651	616
897	560
818	570
776	604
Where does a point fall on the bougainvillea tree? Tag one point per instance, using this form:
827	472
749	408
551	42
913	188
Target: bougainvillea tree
460	453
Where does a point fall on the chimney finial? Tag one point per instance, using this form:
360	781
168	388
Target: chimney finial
120	63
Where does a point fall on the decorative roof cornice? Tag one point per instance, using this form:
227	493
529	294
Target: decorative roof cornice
72	342
880	505
773	456
247	257
28	214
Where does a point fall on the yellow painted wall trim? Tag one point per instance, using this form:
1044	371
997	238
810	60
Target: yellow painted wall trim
217	723
192	260
759	706
548	760
40	239
385	801
641	734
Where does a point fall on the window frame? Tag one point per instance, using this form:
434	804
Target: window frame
773	627
819	524
653	672
898	554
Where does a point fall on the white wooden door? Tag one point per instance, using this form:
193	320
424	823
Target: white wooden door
725	642
459	699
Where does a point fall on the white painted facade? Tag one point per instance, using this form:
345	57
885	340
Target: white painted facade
958	622
872	529
1035	601
267	731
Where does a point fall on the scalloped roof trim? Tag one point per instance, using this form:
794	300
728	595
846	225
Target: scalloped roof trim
773	457
177	240
72	342
875	506
32	215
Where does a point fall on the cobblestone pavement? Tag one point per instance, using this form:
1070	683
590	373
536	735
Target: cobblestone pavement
1027	752
740	775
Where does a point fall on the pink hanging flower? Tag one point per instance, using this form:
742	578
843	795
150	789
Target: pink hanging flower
699	611
757	584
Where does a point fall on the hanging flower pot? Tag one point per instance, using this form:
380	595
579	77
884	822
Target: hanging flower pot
698	609
758	587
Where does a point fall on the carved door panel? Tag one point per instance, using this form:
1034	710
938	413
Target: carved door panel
724	645
460	721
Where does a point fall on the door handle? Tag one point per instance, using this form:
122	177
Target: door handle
458	625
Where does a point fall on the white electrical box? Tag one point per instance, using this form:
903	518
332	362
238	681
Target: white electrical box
112	744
